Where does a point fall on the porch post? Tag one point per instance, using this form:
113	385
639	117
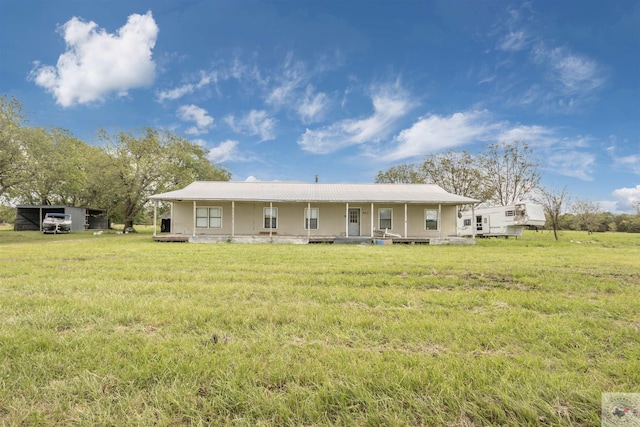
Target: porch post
440	220
155	212
271	219
473	221
372	220
405	220
171	220
194	218
346	215
40	220
307	219
233	218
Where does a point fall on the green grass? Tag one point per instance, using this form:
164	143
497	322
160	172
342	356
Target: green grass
121	330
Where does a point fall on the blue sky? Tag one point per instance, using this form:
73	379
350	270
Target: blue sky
287	90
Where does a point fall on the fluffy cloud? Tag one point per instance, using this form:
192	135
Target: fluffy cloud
390	103
97	63
433	133
225	151
256	122
627	198
193	113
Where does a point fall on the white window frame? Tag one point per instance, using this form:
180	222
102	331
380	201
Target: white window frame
271	217
510	213
308	217
208	217
436	211
380	219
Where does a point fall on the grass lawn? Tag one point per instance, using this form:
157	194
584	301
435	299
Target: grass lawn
121	330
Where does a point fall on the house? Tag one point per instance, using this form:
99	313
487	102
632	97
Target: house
310	212
501	221
29	217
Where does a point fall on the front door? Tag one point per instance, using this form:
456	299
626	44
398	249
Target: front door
354	222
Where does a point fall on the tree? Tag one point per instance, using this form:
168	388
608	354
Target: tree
137	166
587	213
510	172
13	168
56	164
457	173
553	201
406	173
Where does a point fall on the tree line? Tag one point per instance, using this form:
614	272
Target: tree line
40	166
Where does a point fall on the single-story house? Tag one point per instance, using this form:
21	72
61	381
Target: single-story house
29	217
310	212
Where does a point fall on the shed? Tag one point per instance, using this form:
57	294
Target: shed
29	217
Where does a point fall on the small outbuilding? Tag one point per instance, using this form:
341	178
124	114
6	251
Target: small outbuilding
29	218
310	212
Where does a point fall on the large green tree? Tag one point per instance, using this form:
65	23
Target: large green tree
13	161
138	165
55	161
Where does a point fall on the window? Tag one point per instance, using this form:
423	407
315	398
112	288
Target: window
510	213
209	217
270	217
385	218
431	219
311	219
467	223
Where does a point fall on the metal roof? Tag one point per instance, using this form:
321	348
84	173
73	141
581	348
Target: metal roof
313	192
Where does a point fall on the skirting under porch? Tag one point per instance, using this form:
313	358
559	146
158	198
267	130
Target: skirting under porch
301	240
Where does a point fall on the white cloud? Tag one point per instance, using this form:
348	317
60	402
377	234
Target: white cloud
193	113
390	103
576	73
631	162
289	80
433	133
313	107
577	164
97	63
565	156
627	198
514	41
225	151
256	122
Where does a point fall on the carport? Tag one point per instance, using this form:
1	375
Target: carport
29	217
